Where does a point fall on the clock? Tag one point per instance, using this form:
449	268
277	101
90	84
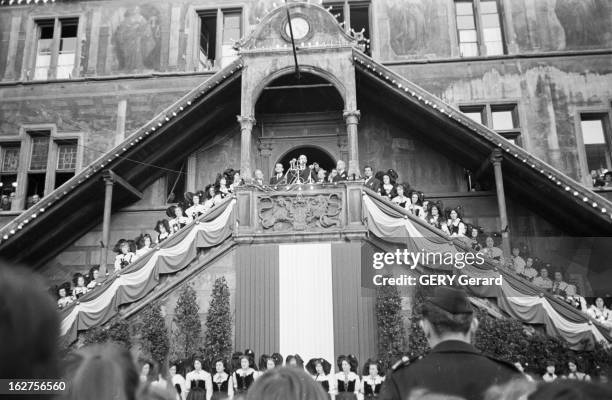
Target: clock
300	26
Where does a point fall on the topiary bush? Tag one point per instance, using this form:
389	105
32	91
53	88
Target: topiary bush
218	337
154	334
391	332
118	332
187	327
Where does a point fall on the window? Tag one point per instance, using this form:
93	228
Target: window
66	161
596	138
502	118
356	17
215	53
56	48
478	28
9	165
33	164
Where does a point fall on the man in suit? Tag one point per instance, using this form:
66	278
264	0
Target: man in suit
278	177
303	170
342	174
453	367
370	181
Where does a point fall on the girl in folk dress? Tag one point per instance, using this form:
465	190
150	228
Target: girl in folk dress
244	377
223	387
454	223
79	286
435	215
144	244
347	380
400	199
64	300
266	363
221	188
94	274
600	312
425	215
178	382
320	368
199	383
125	254
372	380
196	208
178	216
387	189
415	206
209	195
162	227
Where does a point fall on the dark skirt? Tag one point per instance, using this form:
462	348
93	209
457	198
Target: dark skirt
197	394
346	396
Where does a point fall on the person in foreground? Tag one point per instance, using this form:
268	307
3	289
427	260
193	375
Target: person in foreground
286	383
453	367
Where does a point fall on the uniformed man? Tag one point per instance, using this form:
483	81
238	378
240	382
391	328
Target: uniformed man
453	367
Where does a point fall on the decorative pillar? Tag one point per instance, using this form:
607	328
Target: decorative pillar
246	129
108	200
496	160
352	119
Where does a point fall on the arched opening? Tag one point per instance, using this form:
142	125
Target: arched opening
314	154
287	94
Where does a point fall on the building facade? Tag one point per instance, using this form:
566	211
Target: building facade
80	80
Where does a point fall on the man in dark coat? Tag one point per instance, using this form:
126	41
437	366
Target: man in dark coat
370	181
278	177
453	367
342	174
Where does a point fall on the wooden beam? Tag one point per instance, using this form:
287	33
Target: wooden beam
312	86
110	175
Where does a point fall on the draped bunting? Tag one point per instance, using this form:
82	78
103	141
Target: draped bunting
141	277
520	299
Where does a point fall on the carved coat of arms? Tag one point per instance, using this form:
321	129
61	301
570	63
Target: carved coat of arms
279	213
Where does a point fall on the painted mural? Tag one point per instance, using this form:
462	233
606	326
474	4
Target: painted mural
137	39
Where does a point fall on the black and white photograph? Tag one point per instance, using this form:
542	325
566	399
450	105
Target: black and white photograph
306	199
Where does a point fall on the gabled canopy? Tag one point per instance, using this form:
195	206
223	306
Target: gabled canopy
527	179
76	207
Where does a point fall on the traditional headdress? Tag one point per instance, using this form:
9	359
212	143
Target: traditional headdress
311	366
366	367
351	359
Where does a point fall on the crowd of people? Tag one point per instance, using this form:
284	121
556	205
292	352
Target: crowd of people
223	380
453	369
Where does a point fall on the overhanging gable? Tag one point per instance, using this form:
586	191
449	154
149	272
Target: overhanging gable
68	212
527	179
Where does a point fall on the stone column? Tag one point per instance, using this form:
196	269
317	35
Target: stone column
108	201
496	160
246	129
352	119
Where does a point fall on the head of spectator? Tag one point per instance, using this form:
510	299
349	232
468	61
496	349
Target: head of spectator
5	203
175	227
122	247
425	204
347	363
373	368
599	303
101	372
558	276
62	291
94	273
209	191
400	189
220	366
294	360
78	280
237	179
286	384
386	180
35	198
316	167
454	214
544	273
608	178
474	232
516	251
29	330
278	168
529	262
318	367
162	226
571	390
367	172
196	198
489	242
145	241
415	199
434	210
333	174
448	315
259	175
321	174
245	362
340	166
266	362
